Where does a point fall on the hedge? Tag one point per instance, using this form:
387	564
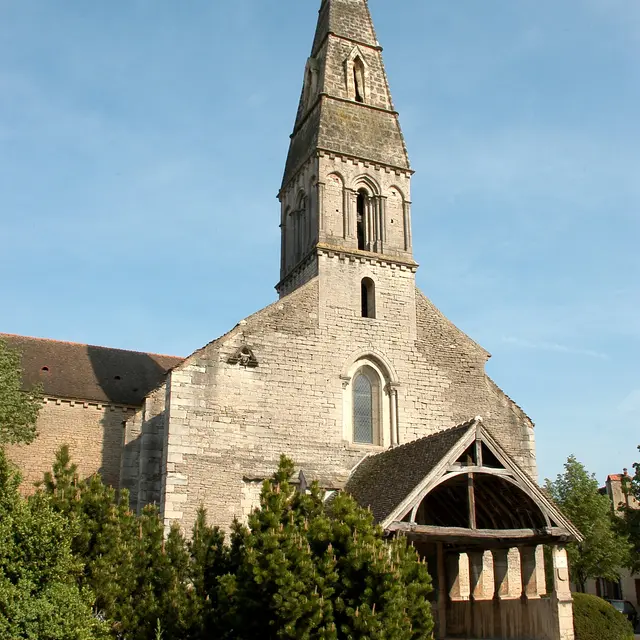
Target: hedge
596	619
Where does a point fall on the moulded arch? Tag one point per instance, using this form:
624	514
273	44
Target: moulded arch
367	355
367	182
301	199
399	190
338	177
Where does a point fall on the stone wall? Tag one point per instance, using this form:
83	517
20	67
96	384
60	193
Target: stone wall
94	433
229	423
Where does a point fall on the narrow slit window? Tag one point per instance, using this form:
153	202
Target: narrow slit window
358	79
368	298
361	213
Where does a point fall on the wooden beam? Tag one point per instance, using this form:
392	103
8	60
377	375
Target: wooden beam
460	535
457	469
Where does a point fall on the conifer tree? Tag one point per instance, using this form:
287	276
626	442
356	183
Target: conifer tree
308	572
39	595
140	579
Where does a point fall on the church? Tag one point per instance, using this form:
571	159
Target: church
352	372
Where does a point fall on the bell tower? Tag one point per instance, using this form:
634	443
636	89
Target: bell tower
346	185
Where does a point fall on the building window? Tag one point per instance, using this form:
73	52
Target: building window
362	410
362	219
368	298
358	80
366	406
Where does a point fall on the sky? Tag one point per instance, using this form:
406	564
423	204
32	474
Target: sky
142	145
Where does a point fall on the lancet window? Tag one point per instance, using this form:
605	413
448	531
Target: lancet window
366	406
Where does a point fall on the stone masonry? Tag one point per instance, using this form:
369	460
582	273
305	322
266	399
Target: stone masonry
207	430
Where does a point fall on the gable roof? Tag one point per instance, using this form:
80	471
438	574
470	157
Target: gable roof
383	481
88	372
393	483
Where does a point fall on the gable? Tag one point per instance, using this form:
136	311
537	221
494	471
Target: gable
440	469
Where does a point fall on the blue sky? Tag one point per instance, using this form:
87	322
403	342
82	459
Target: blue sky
142	145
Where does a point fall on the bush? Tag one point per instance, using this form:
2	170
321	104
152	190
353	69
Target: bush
596	619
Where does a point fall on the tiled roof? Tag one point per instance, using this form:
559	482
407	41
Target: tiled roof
87	372
383	481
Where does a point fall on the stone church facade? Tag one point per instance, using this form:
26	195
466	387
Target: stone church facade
352	363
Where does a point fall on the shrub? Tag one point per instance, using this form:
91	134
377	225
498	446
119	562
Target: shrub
596	619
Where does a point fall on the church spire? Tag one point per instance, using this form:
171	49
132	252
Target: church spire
346	180
346	105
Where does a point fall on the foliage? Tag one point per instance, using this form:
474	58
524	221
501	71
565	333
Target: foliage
595	619
605	550
304	572
139	578
299	570
39	595
629	522
18	410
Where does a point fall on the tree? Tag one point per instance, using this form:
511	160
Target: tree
39	595
605	550
140	579
629	521
18	410
306	571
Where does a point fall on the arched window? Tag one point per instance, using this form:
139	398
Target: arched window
362	219
370	404
368	298
366	409
358	80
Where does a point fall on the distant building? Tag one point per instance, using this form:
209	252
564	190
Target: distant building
628	587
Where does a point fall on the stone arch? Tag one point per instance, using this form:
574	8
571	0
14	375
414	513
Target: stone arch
368	219
365	181
397	219
335	209
378	358
385	428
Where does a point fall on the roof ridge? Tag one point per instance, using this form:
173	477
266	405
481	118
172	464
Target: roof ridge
467	424
85	344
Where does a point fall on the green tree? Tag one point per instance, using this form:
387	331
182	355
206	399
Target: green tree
605	550
308	572
630	516
140	579
18	410
39	595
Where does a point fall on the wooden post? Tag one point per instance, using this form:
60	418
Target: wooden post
442	593
472	502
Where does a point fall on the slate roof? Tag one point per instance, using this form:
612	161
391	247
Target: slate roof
87	372
383	481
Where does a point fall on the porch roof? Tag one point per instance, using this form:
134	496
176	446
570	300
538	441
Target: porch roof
458	486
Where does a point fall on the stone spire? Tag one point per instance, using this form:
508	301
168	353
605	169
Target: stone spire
346	105
347	177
